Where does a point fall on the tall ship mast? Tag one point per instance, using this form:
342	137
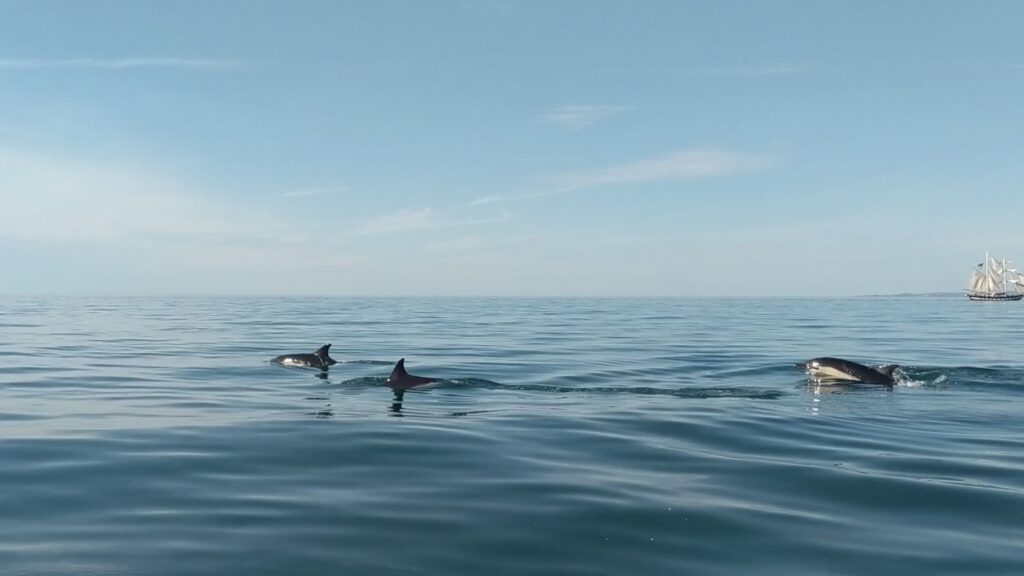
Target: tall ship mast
993	280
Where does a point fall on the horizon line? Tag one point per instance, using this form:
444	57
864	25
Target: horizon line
486	296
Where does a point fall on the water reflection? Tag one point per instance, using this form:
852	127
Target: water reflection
325	410
824	392
322	411
821	386
396	403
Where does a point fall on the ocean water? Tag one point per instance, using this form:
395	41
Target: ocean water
569	436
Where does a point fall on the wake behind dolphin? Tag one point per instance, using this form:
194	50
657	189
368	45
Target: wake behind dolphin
828	368
700	393
318	359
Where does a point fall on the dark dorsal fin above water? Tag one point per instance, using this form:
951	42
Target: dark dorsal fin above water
887	370
322	354
399	371
401	379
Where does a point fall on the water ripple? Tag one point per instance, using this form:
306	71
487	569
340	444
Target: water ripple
571	436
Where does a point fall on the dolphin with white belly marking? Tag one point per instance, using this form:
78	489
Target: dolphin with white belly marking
827	368
319	359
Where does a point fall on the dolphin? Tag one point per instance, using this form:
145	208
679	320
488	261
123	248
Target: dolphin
319	359
828	368
401	379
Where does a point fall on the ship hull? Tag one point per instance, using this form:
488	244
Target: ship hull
995	297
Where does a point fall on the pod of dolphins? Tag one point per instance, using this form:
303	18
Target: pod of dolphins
321	359
825	368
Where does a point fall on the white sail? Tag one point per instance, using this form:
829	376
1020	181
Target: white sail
996	279
995	267
977	282
993	283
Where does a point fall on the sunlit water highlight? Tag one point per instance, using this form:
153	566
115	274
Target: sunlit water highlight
568	436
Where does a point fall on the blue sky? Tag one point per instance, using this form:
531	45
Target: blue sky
508	148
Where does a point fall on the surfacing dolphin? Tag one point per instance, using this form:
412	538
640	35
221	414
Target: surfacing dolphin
401	379
827	368
319	359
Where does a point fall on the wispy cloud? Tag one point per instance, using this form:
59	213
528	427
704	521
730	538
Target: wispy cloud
401	221
581	116
95	201
134	225
98	202
419	219
681	165
164	235
314	191
121	63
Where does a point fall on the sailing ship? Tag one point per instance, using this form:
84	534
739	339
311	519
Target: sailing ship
994	280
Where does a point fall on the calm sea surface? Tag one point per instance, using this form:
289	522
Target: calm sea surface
569	436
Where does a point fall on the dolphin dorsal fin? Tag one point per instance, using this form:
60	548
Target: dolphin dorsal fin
322	351
399	371
887	369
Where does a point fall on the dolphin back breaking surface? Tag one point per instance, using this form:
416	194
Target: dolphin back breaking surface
399	378
838	369
318	359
